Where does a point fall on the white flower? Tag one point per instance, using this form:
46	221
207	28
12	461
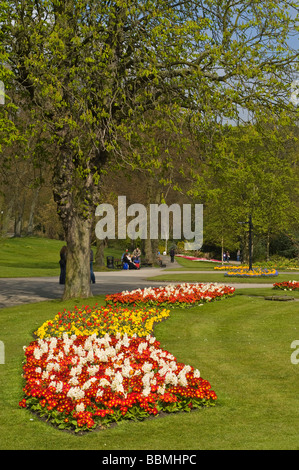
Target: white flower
92	370
142	346
109	371
76	393
90	357
171	378
126	369
150	339
59	387
49	366
75	371
80	407
163	367
37	353
161	389
74	381
147	367
104	383
116	384
146	391
182	376
182	380
88	383
101	354
110	351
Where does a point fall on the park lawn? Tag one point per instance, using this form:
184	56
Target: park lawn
219	277
29	257
194	265
33	257
241	345
187	264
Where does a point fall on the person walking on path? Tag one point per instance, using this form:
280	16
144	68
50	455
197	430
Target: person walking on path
62	263
92	276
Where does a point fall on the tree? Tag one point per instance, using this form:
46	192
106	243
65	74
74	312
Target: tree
255	174
92	71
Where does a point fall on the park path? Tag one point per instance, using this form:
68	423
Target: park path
18	291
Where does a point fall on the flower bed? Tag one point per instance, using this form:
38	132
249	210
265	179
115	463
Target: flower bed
256	272
195	258
102	320
288	285
230	267
85	382
180	295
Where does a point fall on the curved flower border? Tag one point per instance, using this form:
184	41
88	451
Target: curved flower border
180	295
91	378
80	383
102	320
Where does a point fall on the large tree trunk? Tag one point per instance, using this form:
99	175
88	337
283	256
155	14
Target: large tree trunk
32	210
100	253
76	194
78	259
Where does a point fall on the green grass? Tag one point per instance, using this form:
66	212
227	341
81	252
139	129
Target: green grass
209	266
33	257
28	257
241	345
194	265
221	278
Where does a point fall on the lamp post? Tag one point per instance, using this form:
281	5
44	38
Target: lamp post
249	240
1	223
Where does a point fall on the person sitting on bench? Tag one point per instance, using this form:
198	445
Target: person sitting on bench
127	259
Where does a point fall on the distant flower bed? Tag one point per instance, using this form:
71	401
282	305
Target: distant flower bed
102	320
256	272
288	285
86	382
180	295
230	267
195	258
244	271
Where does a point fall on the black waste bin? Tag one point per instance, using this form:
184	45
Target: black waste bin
110	262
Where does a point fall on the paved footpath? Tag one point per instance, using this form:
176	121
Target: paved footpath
17	291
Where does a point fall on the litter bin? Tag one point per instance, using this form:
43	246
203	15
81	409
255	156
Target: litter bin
110	262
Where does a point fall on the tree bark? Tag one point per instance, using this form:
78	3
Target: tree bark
100	255
76	194
32	211
78	259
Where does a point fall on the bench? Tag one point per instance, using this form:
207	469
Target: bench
118	263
